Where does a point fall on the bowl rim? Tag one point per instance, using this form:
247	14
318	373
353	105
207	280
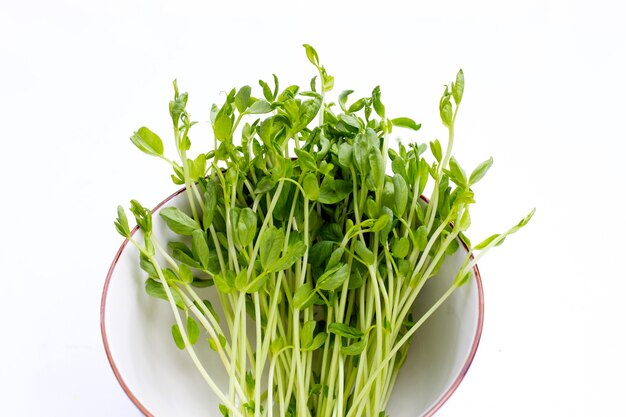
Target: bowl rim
435	407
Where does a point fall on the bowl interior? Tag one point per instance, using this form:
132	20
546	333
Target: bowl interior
162	381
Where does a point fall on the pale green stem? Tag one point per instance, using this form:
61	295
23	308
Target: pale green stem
203	320
268	216
406	303
183	332
391	354
432	206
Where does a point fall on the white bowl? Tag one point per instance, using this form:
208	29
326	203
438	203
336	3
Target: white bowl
162	381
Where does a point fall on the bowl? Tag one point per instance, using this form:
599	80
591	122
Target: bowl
161	380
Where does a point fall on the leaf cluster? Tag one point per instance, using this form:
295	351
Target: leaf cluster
317	232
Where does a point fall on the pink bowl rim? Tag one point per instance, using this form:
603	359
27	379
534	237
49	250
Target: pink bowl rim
438	404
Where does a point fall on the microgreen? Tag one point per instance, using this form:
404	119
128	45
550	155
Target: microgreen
314	234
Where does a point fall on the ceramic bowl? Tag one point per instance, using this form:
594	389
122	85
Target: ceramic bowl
162	381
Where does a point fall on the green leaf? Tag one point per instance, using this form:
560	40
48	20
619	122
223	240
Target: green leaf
155	289
312	84
332	232
435	148
343	97
222	340
460	281
277	345
241	280
288	93
452	247
306	333
423	176
317	343
246	226
335	257
256	283
184	273
371	208
350	123
304	296
465	221
457	174
306	113
363	142
344	330
381	223
458	87
295	251
197	167
264	185
267	131
421	237
376	167
146	265
178	338
178	221
147	141
171	277
356	279
321	153
404	268
333	191
242	98
364	253
320	252
311	186
184	143
306	160
121	223
225	283
311	53
181	252
333	278
354	349
267	92
401	195
193	331
378	105
178	176
486	242
328	81
445	111
275	87
177	106
526	219
344	155
209	307
462	195
202	283
250	383
143	216
406	122
272	241
213	113
480	171
357	105
200	248
400	248
260	107
222	128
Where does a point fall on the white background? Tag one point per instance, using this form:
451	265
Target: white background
544	96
